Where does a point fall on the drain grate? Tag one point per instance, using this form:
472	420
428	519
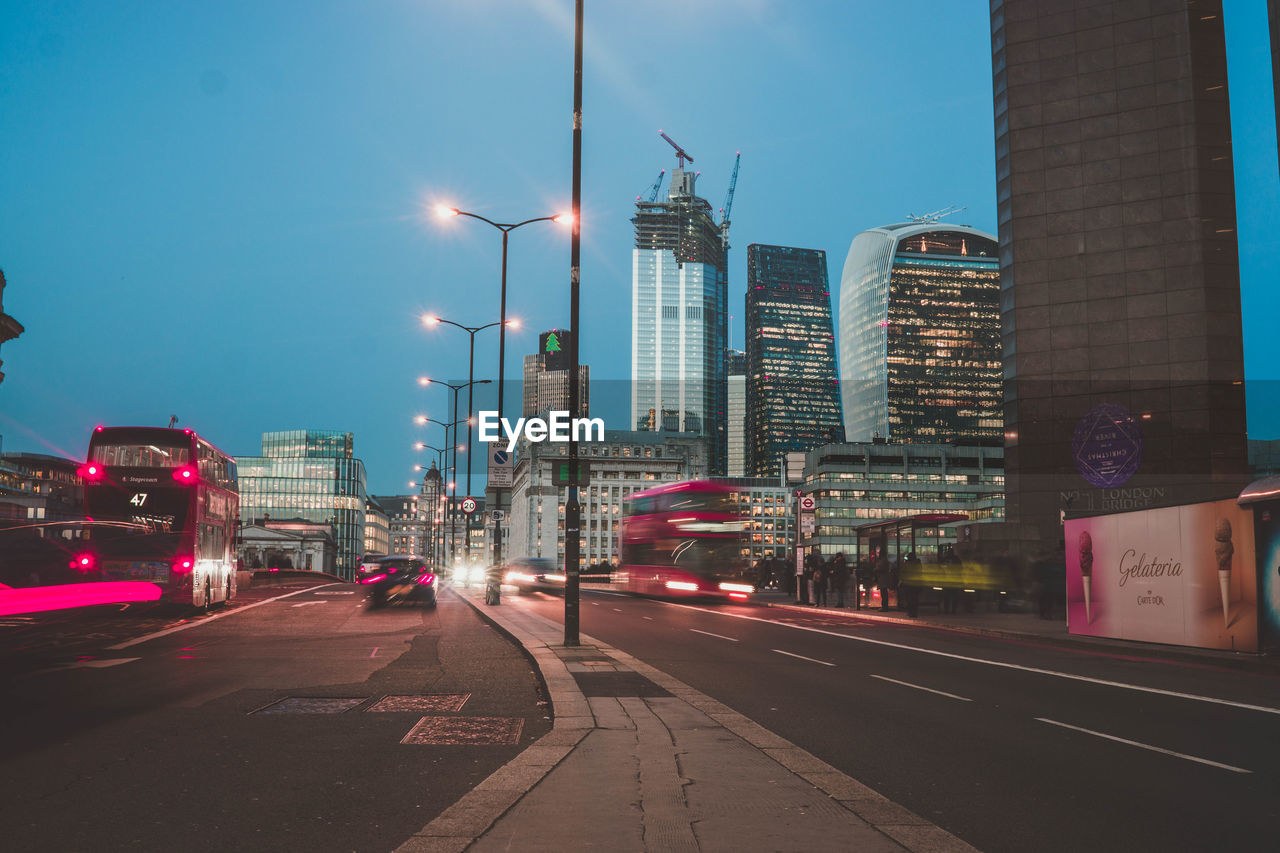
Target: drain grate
455	731
310	705
429	703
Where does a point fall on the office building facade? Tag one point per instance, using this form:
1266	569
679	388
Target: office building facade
1120	291
546	377
920	334
625	462
311	475
679	317
861	483
736	400
792	391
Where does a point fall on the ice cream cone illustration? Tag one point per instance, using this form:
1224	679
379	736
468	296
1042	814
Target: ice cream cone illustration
1223	550
1086	571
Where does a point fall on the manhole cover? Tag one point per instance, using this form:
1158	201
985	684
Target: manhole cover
617	684
452	731
422	704
309	705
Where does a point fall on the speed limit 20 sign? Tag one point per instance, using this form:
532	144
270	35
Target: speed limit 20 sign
468	505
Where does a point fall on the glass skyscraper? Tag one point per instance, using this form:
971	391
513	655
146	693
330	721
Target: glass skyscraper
793	396
679	317
310	475
920	357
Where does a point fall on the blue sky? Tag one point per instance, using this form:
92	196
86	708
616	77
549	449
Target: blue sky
221	211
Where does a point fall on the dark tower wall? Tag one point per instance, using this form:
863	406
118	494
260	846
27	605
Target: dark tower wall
1120	285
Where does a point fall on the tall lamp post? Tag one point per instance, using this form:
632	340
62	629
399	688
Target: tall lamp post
506	228
425	382
433	320
441	453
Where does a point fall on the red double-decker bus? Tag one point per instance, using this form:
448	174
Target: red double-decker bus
164	508
682	539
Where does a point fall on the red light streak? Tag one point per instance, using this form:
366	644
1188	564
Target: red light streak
37	599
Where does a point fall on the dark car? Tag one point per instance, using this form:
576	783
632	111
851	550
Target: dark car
400	577
534	573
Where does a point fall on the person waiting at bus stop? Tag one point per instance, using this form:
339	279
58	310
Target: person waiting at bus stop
839	577
813	564
884	577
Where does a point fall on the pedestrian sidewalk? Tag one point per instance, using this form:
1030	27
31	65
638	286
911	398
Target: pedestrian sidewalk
638	761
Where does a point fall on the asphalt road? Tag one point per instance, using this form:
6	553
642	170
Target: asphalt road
1012	746
211	737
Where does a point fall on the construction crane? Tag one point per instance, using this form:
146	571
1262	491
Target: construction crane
728	199
653	189
930	218
681	154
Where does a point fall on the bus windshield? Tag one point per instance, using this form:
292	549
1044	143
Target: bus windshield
140	455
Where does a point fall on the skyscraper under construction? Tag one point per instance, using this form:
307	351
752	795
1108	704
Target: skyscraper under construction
679	316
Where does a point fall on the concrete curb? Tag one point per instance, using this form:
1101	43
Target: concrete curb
467	820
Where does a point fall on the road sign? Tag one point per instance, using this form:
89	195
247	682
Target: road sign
498	515
469	505
500	469
808	524
807	503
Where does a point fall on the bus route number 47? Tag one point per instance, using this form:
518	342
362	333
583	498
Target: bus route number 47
138	499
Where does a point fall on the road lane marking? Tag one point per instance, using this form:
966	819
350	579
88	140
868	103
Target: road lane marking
348	592
1146	746
374	653
617	610
649	618
205	621
919	687
309	603
802	657
95	664
709	634
1005	664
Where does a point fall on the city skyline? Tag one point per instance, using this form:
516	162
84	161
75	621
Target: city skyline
244	198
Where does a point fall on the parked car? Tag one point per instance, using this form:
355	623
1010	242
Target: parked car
400	577
528	574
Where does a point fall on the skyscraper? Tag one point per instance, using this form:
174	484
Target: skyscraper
1120	285
737	425
546	377
679	318
920	334
793	396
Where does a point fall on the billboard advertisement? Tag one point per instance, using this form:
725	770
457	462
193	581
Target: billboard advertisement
1183	575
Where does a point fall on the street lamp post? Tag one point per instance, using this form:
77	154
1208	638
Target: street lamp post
424	381
506	228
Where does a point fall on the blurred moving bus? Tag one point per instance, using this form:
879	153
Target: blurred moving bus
172	511
682	539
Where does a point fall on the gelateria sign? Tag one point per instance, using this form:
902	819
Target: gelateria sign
1184	575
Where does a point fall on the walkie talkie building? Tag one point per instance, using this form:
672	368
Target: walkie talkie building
920	334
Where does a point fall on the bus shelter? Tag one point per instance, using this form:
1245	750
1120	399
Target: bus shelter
937	572
898	537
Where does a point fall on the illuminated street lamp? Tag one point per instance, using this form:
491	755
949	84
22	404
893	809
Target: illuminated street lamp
506	229
453	485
